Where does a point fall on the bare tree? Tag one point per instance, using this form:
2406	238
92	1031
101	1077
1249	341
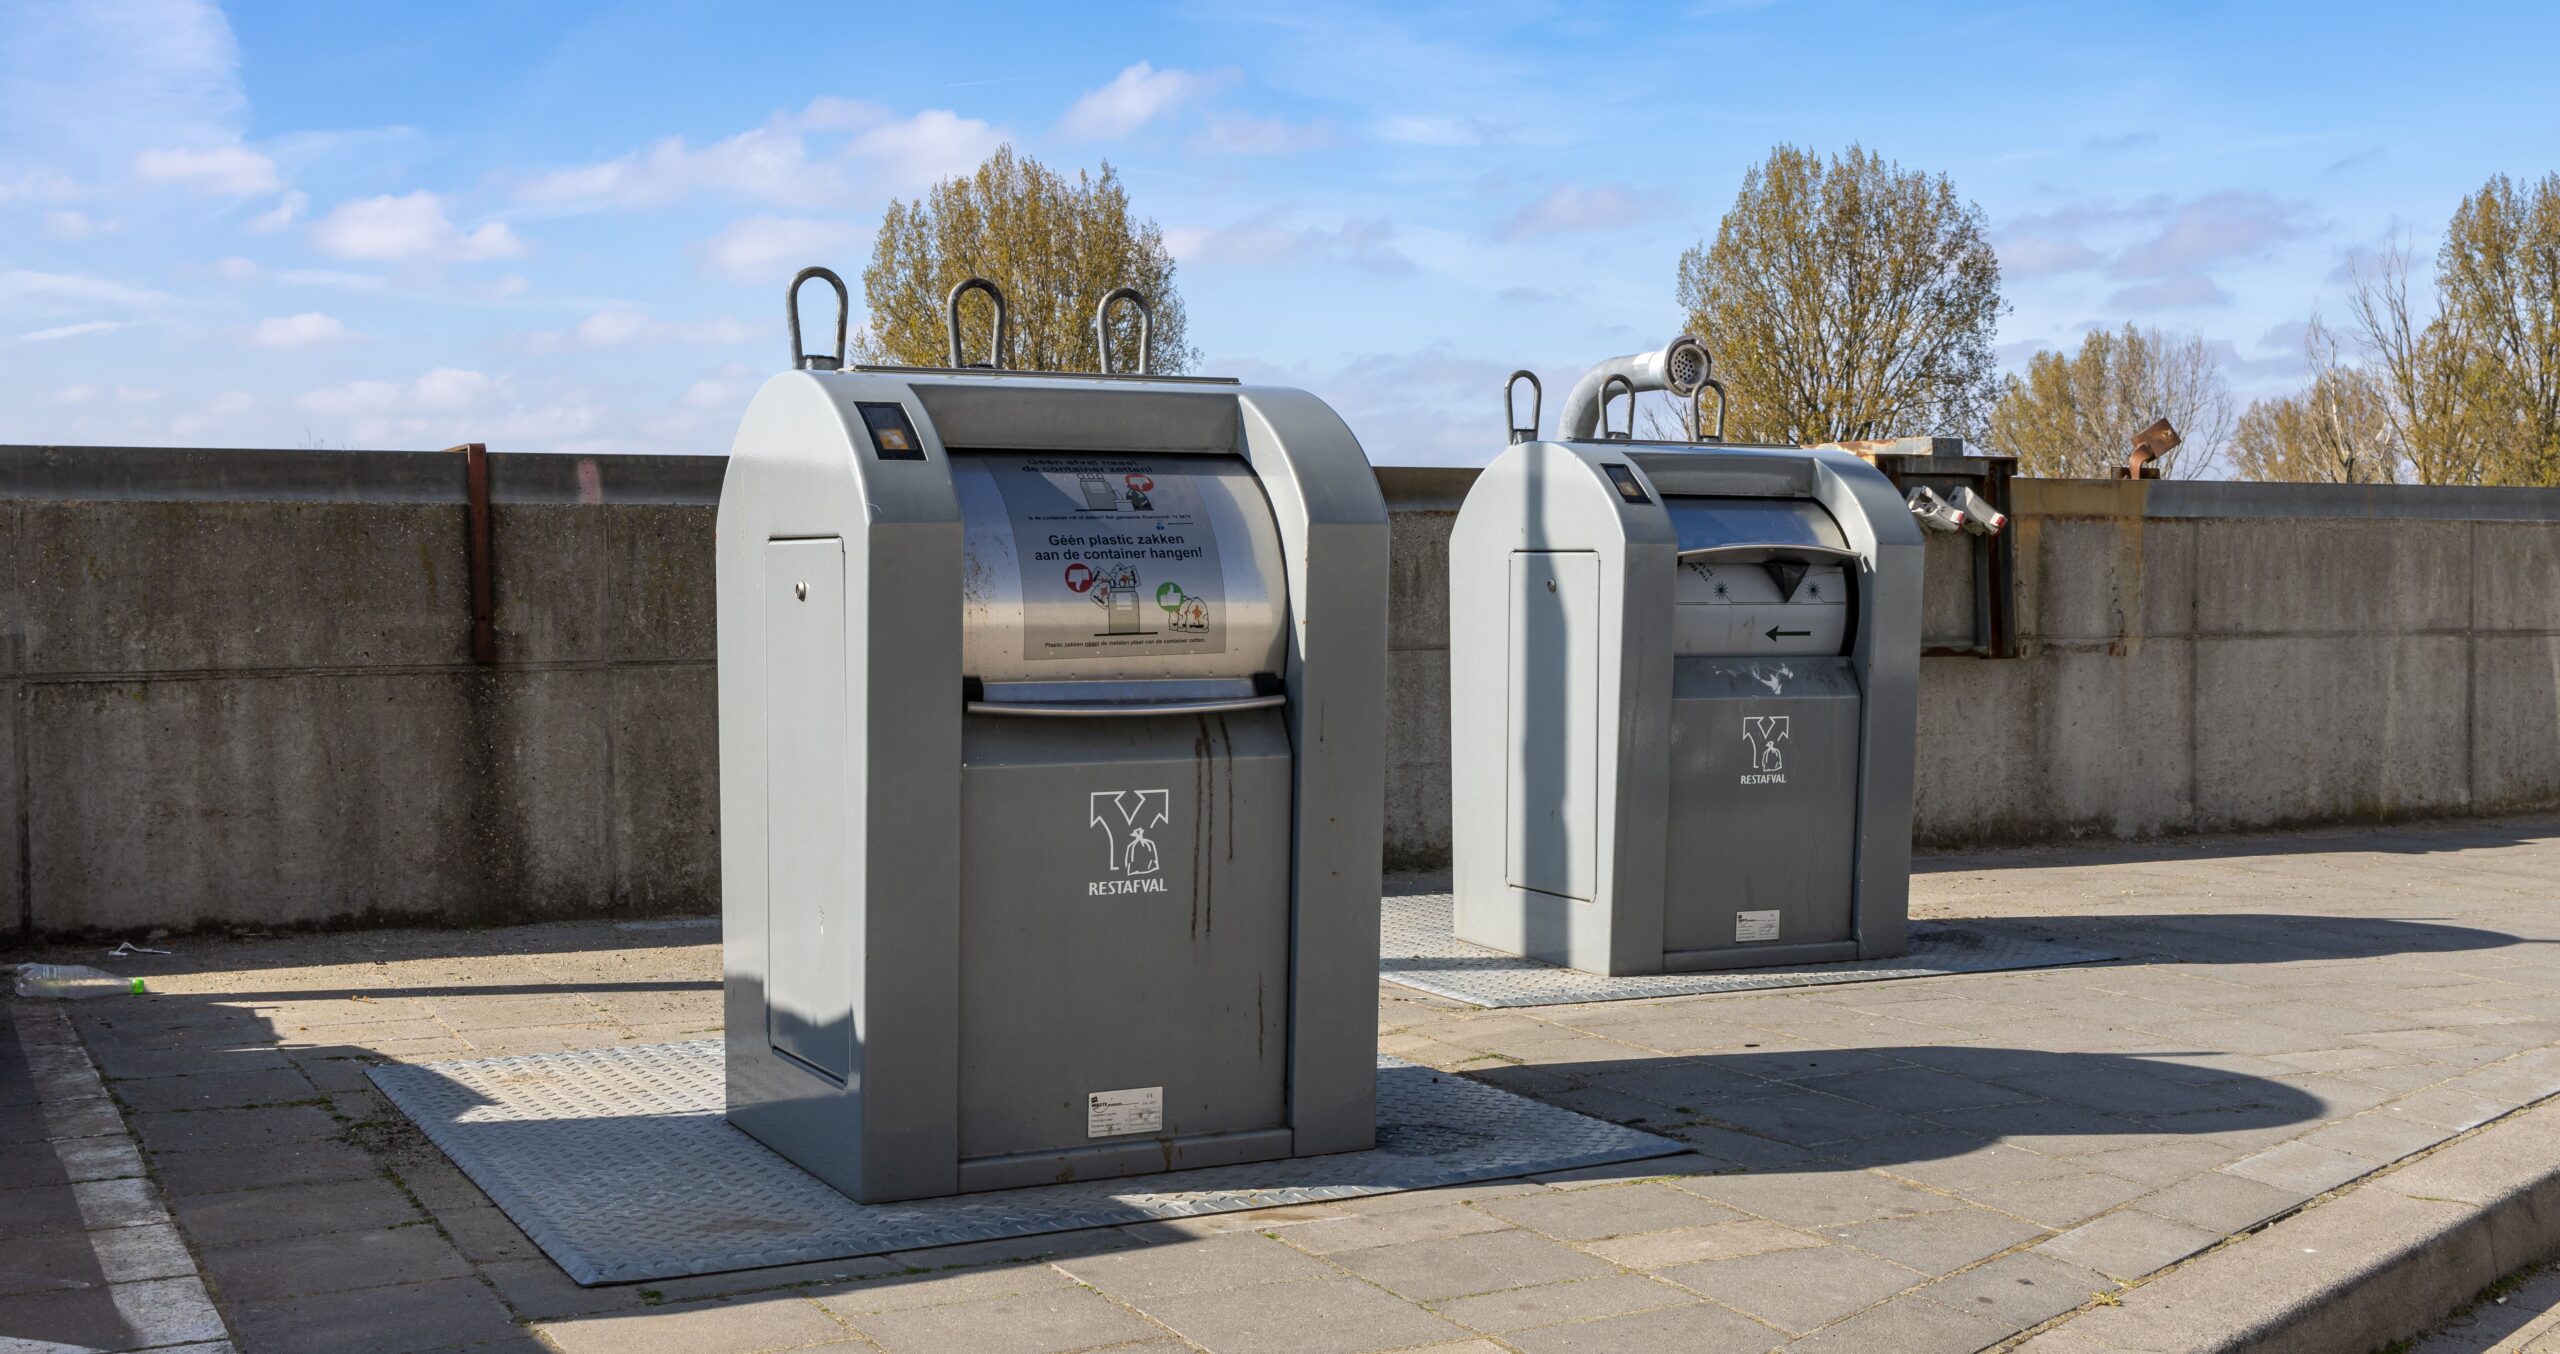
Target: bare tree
2431	381
1054	246
1847	299
2076	416
2337	430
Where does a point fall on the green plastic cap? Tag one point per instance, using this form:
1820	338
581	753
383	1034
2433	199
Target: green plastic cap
137	985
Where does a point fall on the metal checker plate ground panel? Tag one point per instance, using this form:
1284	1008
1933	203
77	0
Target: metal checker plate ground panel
1417	949
617	1162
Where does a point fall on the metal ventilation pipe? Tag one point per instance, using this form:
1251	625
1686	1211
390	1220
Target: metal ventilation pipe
1681	367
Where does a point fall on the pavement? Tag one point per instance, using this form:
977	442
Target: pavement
1951	1163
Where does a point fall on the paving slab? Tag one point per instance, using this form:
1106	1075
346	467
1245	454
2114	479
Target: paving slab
2289	1015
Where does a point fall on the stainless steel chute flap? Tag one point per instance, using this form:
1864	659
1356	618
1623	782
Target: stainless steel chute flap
1138	568
1760	576
1709	523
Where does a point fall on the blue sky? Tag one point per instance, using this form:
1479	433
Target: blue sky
566	227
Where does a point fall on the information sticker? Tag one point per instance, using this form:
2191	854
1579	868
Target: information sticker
1751	926
1117	554
1113	1114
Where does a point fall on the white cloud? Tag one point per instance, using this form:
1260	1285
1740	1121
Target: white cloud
230	404
1573	208
135	395
64	331
449	405
1261	136
236	269
1134	98
619	328
410	227
933	145
772	248
24	288
309	329
767	162
235	170
443	390
1444	132
776	163
97	84
1262	241
80	394
41	185
328	277
74	225
288	209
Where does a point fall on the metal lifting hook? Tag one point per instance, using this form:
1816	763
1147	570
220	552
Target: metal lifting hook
1617	382
996	357
801	359
1146	329
1537	405
1697	399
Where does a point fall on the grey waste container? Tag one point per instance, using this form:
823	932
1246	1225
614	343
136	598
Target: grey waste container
1683	678
1050	775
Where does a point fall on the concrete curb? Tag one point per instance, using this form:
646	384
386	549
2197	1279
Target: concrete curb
2383	1260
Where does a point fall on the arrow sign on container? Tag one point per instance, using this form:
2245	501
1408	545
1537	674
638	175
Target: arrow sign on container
1775	633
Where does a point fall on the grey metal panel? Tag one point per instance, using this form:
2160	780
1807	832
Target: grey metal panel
1886	657
1552	730
617	1163
1764	801
1073	414
1333	530
809	1012
1736	609
802	468
1125	924
1418	950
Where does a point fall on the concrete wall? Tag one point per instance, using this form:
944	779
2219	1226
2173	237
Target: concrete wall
238	689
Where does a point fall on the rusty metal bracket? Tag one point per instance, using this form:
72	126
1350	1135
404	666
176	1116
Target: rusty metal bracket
483	569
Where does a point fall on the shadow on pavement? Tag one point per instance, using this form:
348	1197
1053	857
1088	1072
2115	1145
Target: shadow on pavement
1846	1109
2395	839
2259	937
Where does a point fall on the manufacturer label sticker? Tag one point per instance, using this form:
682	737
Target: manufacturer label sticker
1113	1114
1751	926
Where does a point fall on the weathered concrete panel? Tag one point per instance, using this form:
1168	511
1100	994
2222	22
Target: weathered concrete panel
173	587
1978	777
13	610
550	563
2104	578
2519	577
1418	579
1946	589
13	808
1417	827
2114	738
308	798
2311	576
2515	722
2330	729
659	598
666	789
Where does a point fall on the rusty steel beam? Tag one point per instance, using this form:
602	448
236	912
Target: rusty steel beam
483	570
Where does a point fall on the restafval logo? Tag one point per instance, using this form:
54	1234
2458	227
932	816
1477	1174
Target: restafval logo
1762	734
1132	860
